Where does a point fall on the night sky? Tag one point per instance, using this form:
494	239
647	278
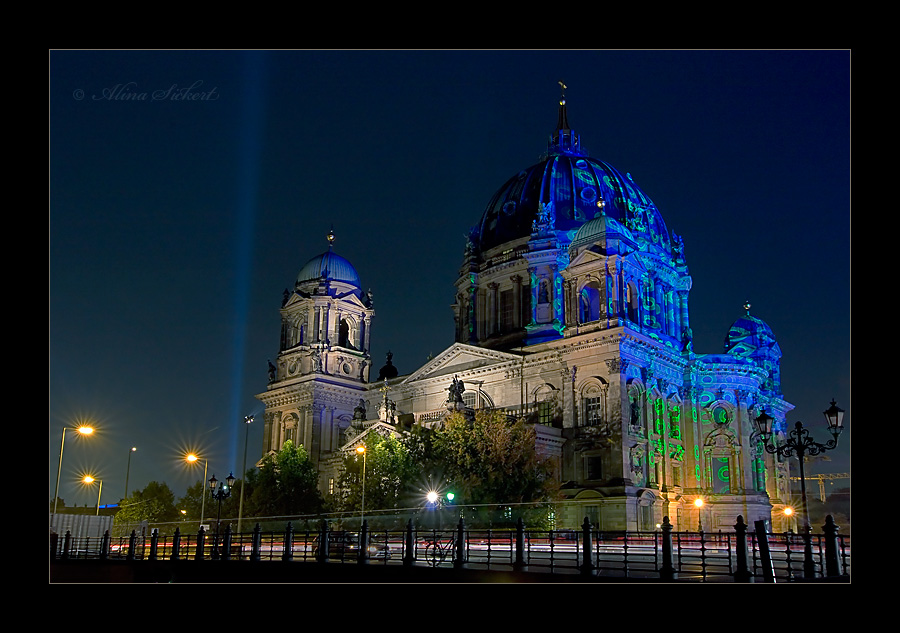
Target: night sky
187	189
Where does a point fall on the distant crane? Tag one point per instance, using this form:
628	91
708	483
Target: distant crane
821	479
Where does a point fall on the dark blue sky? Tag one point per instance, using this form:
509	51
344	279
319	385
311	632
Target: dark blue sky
176	223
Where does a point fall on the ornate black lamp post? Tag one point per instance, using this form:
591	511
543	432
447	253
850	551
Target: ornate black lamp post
799	443
222	492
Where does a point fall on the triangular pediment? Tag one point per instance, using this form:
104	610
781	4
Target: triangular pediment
380	428
585	258
460	358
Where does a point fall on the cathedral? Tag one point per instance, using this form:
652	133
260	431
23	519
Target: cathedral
570	311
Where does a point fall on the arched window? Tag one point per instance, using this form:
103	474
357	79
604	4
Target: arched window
633	301
590	302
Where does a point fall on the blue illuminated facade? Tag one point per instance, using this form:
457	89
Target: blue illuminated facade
572	311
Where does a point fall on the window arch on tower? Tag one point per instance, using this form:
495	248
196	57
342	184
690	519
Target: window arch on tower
589	302
594	402
632	301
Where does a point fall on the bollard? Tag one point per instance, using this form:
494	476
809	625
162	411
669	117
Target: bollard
742	569
832	557
322	549
667	571
409	556
586	566
460	559
765	556
288	553
256	543
519	564
176	545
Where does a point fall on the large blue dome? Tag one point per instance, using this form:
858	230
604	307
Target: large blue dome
331	266
577	189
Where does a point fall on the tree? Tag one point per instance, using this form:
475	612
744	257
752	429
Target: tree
390	471
154	504
493	459
285	484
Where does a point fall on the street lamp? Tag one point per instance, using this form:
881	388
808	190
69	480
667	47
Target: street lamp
128	470
191	458
89	480
698	502
83	430
800	443
247	421
222	492
361	449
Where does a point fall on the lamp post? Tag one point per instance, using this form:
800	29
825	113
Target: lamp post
128	470
800	443
222	492
361	449
247	421
698	502
89	480
191	458
83	430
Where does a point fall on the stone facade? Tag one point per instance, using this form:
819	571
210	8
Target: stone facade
571	310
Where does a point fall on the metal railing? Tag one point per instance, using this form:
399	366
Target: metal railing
739	556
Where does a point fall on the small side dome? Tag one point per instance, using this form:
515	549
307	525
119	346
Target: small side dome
332	267
750	336
329	266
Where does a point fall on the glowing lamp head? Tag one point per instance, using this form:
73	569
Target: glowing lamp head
360	449
191	458
88	479
432	496
788	511
85	430
698	502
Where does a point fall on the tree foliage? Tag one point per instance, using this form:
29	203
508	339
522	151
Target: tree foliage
493	459
155	504
390	470
285	484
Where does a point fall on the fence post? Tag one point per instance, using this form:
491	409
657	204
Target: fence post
667	571
765	556
410	554
201	542
226	543
54	543
176	545
255	543
586	566
104	546
322	549
132	542
67	543
832	558
460	558
362	556
742	569
288	553
154	543
519	564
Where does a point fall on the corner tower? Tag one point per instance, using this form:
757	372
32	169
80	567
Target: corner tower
323	363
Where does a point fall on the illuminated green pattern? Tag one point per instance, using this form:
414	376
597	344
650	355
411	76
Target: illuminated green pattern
675	423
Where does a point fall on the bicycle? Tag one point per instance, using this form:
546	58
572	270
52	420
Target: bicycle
437	550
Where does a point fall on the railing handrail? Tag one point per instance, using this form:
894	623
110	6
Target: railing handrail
741	555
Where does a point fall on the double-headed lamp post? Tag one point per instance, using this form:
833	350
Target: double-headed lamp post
799	443
223	491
